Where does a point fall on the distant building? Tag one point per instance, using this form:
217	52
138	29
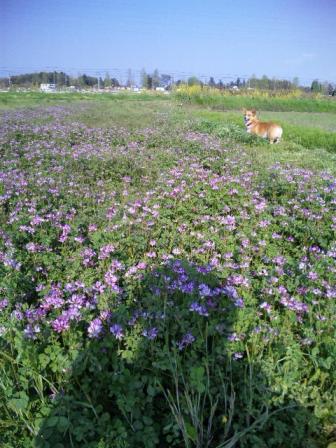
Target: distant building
160	89
48	87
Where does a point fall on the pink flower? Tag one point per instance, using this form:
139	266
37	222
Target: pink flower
151	254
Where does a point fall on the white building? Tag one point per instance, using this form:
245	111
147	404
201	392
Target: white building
48	87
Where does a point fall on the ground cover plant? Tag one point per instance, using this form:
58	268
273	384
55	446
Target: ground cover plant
166	281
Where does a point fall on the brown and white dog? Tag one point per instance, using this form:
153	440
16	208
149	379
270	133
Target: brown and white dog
269	130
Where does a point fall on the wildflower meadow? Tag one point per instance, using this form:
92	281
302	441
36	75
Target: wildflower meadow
165	280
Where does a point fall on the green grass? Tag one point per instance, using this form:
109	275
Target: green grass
227	102
305	135
133	113
31	99
320	120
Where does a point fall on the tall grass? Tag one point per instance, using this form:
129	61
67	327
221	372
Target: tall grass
274	101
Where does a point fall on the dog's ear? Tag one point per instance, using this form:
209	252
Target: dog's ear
254	112
243	110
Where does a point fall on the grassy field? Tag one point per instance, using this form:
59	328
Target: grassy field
166	279
32	99
261	100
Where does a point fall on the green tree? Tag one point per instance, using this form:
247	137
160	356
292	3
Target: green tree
144	79
107	80
130	80
149	82
156	79
264	83
316	86
115	82
296	82
212	82
165	80
194	81
253	82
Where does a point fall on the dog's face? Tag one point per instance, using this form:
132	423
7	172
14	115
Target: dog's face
249	115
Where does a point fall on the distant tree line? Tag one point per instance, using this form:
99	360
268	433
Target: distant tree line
325	87
153	80
263	83
61	79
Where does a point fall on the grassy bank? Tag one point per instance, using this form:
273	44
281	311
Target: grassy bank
224	100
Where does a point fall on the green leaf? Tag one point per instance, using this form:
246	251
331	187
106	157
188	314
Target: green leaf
20	403
197	378
191	431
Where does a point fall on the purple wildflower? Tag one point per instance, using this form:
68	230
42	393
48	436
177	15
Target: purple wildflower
117	331
3	304
105	251
312	275
233	337
150	333
204	290
266	306
142	265
105	315
53	299
65	233
99	287
95	328
33	247
230	291
294	305
199	309
87	255
111	280
31	331
187	288
61	323
186	340
17	314
239	303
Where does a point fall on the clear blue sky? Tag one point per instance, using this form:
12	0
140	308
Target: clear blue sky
283	38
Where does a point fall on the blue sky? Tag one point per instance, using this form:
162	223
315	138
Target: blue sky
283	38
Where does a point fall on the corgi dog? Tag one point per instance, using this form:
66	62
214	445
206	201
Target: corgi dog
269	130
